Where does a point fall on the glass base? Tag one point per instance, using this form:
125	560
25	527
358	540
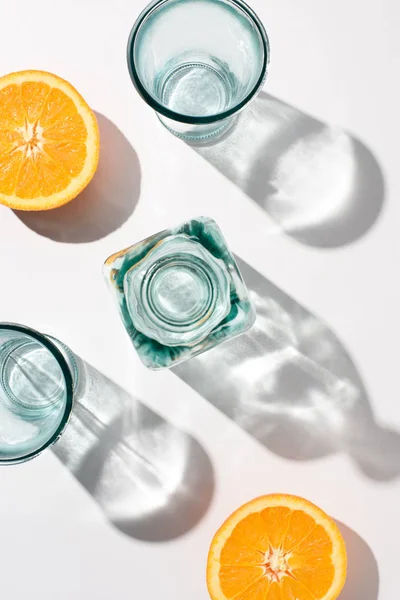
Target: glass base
31	379
178	293
196	88
198	84
198	134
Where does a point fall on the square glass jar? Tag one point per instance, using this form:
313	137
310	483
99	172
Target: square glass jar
179	293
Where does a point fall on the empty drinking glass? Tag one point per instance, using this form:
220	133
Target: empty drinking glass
37	376
198	62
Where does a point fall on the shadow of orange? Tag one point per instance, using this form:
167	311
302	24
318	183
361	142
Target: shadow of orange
106	203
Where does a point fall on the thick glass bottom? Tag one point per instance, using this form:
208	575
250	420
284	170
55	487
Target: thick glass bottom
197	89
196	85
31	380
198	134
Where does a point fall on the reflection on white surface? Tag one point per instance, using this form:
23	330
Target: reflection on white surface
313	181
291	384
153	481
317	182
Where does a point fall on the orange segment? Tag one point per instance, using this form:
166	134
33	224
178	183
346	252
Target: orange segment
293	589
49	141
256	591
276	520
316	578
34	95
60	119
236	579
250	532
28	180
317	543
9	140
12	113
277	547
240	555
70	155
301	525
274	592
10	167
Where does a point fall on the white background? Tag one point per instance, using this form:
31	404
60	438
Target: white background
336	62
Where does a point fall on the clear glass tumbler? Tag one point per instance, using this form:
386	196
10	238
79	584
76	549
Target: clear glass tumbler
198	62
37	375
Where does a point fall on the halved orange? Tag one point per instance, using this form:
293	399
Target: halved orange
277	547
49	141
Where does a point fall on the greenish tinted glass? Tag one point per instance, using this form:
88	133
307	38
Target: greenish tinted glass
36	392
179	293
198	62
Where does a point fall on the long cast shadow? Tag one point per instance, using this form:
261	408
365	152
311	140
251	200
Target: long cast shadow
153	481
291	384
106	203
362	581
321	185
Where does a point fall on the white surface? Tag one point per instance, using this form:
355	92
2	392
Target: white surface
336	61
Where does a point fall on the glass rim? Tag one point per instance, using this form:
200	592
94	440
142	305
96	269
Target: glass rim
68	384
192	120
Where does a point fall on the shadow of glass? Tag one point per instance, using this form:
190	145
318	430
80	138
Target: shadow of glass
105	204
153	481
290	383
320	185
362	581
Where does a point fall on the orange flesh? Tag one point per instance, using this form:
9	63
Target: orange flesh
292	552
46	135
